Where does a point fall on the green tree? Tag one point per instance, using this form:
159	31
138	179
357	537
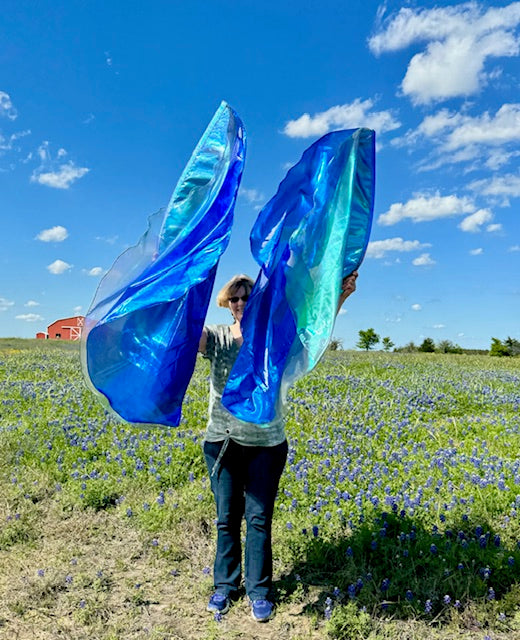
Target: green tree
512	345
335	344
387	344
367	339
498	348
447	346
427	346
409	348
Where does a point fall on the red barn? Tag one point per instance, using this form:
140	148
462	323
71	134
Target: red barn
41	335
66	328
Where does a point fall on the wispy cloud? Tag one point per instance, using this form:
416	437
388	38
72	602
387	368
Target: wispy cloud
253	196
476	252
424	260
31	303
54	234
458	137
29	317
7	109
416	307
358	113
458	42
5	304
108	240
499	188
58	267
55	173
379	248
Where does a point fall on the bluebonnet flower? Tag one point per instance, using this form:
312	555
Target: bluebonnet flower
510	561
41	573
409	595
385	584
428	606
328	608
491	594
433	549
446	599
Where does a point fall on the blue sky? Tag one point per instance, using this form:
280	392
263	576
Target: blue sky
102	103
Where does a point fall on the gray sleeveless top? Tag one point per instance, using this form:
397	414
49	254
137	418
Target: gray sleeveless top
222	351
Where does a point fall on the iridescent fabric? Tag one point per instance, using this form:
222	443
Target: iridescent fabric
142	330
306	239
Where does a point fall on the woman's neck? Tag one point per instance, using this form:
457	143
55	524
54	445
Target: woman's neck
236	329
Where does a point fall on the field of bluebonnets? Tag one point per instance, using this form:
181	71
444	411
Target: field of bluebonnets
398	513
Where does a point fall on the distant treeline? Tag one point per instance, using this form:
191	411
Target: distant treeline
368	339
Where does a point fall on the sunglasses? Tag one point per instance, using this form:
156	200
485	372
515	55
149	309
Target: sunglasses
235	299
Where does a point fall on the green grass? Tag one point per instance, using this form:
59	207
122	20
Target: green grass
397	515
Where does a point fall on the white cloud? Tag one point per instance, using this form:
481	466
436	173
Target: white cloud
424	260
5	304
8	144
459	40
108	240
458	137
514	248
491	228
501	187
54	234
477	252
6	106
29	317
492	130
379	248
58	267
499	157
62	178
31	303
473	222
439	326
251	195
346	116
77	310
426	208
416	307
95	271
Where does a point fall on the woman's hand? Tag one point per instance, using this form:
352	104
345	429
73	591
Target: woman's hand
348	286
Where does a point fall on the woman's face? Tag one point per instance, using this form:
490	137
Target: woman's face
237	303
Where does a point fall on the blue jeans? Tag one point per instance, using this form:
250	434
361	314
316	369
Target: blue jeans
245	483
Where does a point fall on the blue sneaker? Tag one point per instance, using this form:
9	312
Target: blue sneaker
262	610
218	603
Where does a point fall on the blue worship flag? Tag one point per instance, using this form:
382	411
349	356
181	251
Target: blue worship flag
307	238
143	327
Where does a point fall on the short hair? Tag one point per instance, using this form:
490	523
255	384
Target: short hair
231	288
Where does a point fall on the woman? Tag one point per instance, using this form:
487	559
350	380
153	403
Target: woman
245	462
